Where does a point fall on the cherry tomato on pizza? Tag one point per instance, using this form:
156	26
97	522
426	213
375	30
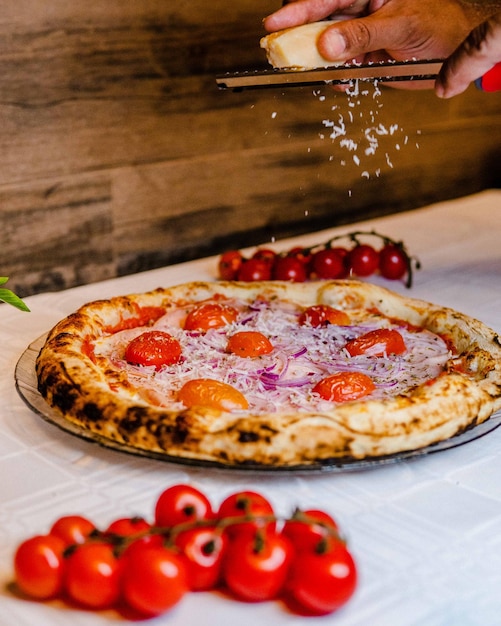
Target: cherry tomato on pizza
323	314
256	565
323	580
153	347
249	343
344	387
39	566
210	315
378	342
210	393
180	504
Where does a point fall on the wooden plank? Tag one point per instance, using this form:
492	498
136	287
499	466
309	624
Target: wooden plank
57	235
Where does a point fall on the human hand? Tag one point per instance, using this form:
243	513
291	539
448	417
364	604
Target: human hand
476	56
382	29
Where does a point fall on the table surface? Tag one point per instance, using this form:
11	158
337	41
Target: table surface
425	532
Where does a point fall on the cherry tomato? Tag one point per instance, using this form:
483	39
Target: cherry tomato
92	576
244	504
308	528
323	314
344	387
210	315
253	270
322	581
301	254
249	344
214	394
127	526
229	264
39	566
202	550
72	529
265	254
377	343
289	268
153	347
153	580
180	504
393	262
256	566
329	263
363	260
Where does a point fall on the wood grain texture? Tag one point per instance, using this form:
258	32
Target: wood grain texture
120	154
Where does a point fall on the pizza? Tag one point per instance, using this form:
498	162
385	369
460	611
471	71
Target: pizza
274	374
296	47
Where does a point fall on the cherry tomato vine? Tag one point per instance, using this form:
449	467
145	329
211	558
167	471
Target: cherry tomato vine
147	567
342	256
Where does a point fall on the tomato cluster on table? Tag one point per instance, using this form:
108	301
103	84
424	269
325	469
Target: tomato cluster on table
144	569
331	260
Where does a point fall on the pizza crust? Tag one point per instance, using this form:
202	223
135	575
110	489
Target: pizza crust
79	388
297	47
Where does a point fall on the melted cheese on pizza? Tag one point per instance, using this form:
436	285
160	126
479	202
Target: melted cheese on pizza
282	380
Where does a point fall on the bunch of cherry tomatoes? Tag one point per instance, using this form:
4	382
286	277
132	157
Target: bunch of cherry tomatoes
329	260
143	569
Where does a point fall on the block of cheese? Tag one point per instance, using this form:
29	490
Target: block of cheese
296	47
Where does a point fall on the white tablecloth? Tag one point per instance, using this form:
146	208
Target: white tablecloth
426	533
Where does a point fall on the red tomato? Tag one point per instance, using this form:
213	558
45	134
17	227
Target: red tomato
229	264
329	263
393	262
153	580
72	529
249	344
256	567
308	528
202	550
153	347
377	343
363	260
127	526
213	394
247	503
323	581
344	387
253	270
265	254
210	315
92	576
302	254
289	268
39	566
323	314
180	504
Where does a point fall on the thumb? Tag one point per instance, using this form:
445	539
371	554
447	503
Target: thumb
355	37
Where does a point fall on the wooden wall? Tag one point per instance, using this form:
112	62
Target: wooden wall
119	153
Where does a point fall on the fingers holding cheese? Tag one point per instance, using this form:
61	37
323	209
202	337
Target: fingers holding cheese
297	48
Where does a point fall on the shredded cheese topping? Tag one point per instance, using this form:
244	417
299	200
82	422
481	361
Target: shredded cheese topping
282	380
